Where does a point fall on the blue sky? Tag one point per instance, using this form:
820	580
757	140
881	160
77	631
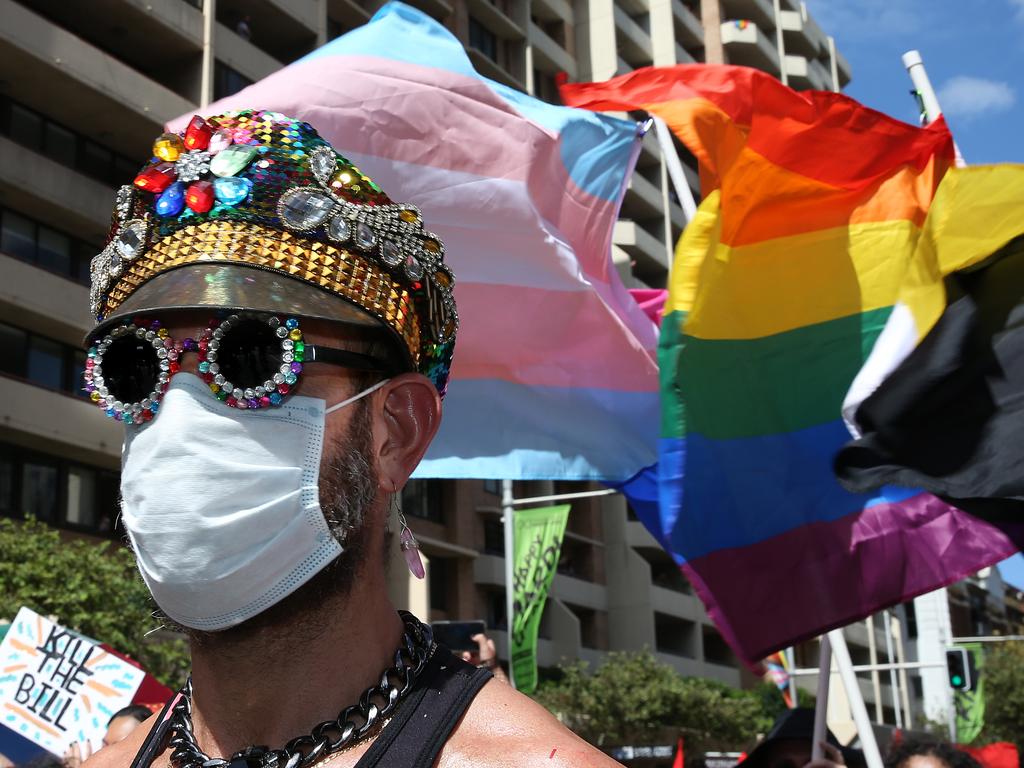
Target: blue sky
974	53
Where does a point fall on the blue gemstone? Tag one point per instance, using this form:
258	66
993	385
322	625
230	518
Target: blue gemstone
291	323
231	190
171	200
275	398
154	407
204	367
290	378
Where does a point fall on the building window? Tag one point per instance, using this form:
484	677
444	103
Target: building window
41	361
481	38
63	493
227	81
494	536
441	572
39	245
63	145
492	486
423	499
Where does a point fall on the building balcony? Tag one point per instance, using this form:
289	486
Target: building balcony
550	10
97	93
842	67
634	43
242	56
801	35
798	73
284	29
622	66
348	13
761	12
49	304
495	20
747	45
678	604
491	69
547	51
644	199
59	424
37	186
820	76
649	252
683	56
689	31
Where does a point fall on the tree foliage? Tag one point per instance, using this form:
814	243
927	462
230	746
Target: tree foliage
91	588
633	698
1004	693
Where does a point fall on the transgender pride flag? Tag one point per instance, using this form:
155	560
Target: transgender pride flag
554	373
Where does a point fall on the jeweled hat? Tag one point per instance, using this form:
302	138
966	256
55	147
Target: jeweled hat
254	210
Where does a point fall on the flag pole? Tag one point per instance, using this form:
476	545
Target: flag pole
675	169
929	101
821	703
868	744
508	509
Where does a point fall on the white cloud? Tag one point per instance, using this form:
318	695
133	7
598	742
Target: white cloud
968	97
1018	6
868	20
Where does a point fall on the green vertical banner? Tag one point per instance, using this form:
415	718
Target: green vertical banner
970	705
536	545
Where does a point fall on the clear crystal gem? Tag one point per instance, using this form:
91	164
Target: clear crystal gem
304	208
323	164
339	229
390	254
193	165
114	263
413	267
130	241
365	237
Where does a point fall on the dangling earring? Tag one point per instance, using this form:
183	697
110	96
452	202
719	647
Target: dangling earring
410	547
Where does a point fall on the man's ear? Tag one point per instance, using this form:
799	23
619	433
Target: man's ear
405	422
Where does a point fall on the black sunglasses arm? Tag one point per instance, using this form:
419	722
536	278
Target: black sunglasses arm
315	353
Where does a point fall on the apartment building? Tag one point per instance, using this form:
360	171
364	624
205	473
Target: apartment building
84	89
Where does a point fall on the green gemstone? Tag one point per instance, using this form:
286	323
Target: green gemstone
230	161
222	395
300	346
299	356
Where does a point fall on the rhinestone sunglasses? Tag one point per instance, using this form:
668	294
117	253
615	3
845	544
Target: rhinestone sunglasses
248	360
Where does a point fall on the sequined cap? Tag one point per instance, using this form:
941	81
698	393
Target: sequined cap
259	190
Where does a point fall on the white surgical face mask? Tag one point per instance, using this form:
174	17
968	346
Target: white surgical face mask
222	505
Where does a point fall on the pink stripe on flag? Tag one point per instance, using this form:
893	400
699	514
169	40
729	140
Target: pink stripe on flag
922	541
548	338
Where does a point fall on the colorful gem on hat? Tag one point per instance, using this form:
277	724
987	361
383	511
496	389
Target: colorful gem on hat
231	190
193	165
168	147
200	196
230	161
198	133
171	200
339	229
156	178
304	208
221	140
365	237
131	240
323	162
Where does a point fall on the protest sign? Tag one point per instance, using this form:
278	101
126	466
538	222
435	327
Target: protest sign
57	686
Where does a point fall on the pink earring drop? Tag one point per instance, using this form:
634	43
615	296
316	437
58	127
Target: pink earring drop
410	549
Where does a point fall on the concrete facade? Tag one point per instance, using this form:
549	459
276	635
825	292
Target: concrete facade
84	90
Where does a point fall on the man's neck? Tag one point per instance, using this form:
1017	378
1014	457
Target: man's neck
271	685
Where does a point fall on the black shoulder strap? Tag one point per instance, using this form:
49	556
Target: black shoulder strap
415	736
156	739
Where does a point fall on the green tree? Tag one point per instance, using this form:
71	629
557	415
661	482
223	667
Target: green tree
91	588
633	698
1004	693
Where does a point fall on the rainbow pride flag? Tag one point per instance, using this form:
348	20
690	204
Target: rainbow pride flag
555	372
781	285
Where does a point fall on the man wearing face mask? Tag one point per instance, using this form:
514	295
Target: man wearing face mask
276	334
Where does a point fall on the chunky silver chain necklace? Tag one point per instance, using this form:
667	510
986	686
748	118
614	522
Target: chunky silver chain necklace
352	725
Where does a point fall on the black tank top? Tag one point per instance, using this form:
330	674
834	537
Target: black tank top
417	732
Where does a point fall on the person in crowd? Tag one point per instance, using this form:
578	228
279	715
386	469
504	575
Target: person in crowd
917	753
119	726
788	745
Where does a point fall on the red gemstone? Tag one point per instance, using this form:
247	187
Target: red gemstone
174	368
231	402
199	196
282	388
156	178
204	344
198	133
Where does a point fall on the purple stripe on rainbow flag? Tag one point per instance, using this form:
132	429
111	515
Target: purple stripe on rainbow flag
922	537
525	195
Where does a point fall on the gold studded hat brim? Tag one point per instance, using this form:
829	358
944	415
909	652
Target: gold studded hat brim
245	266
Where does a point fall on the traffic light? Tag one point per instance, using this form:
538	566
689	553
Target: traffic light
960	669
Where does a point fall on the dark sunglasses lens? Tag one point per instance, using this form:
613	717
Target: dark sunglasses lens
249	353
130	368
